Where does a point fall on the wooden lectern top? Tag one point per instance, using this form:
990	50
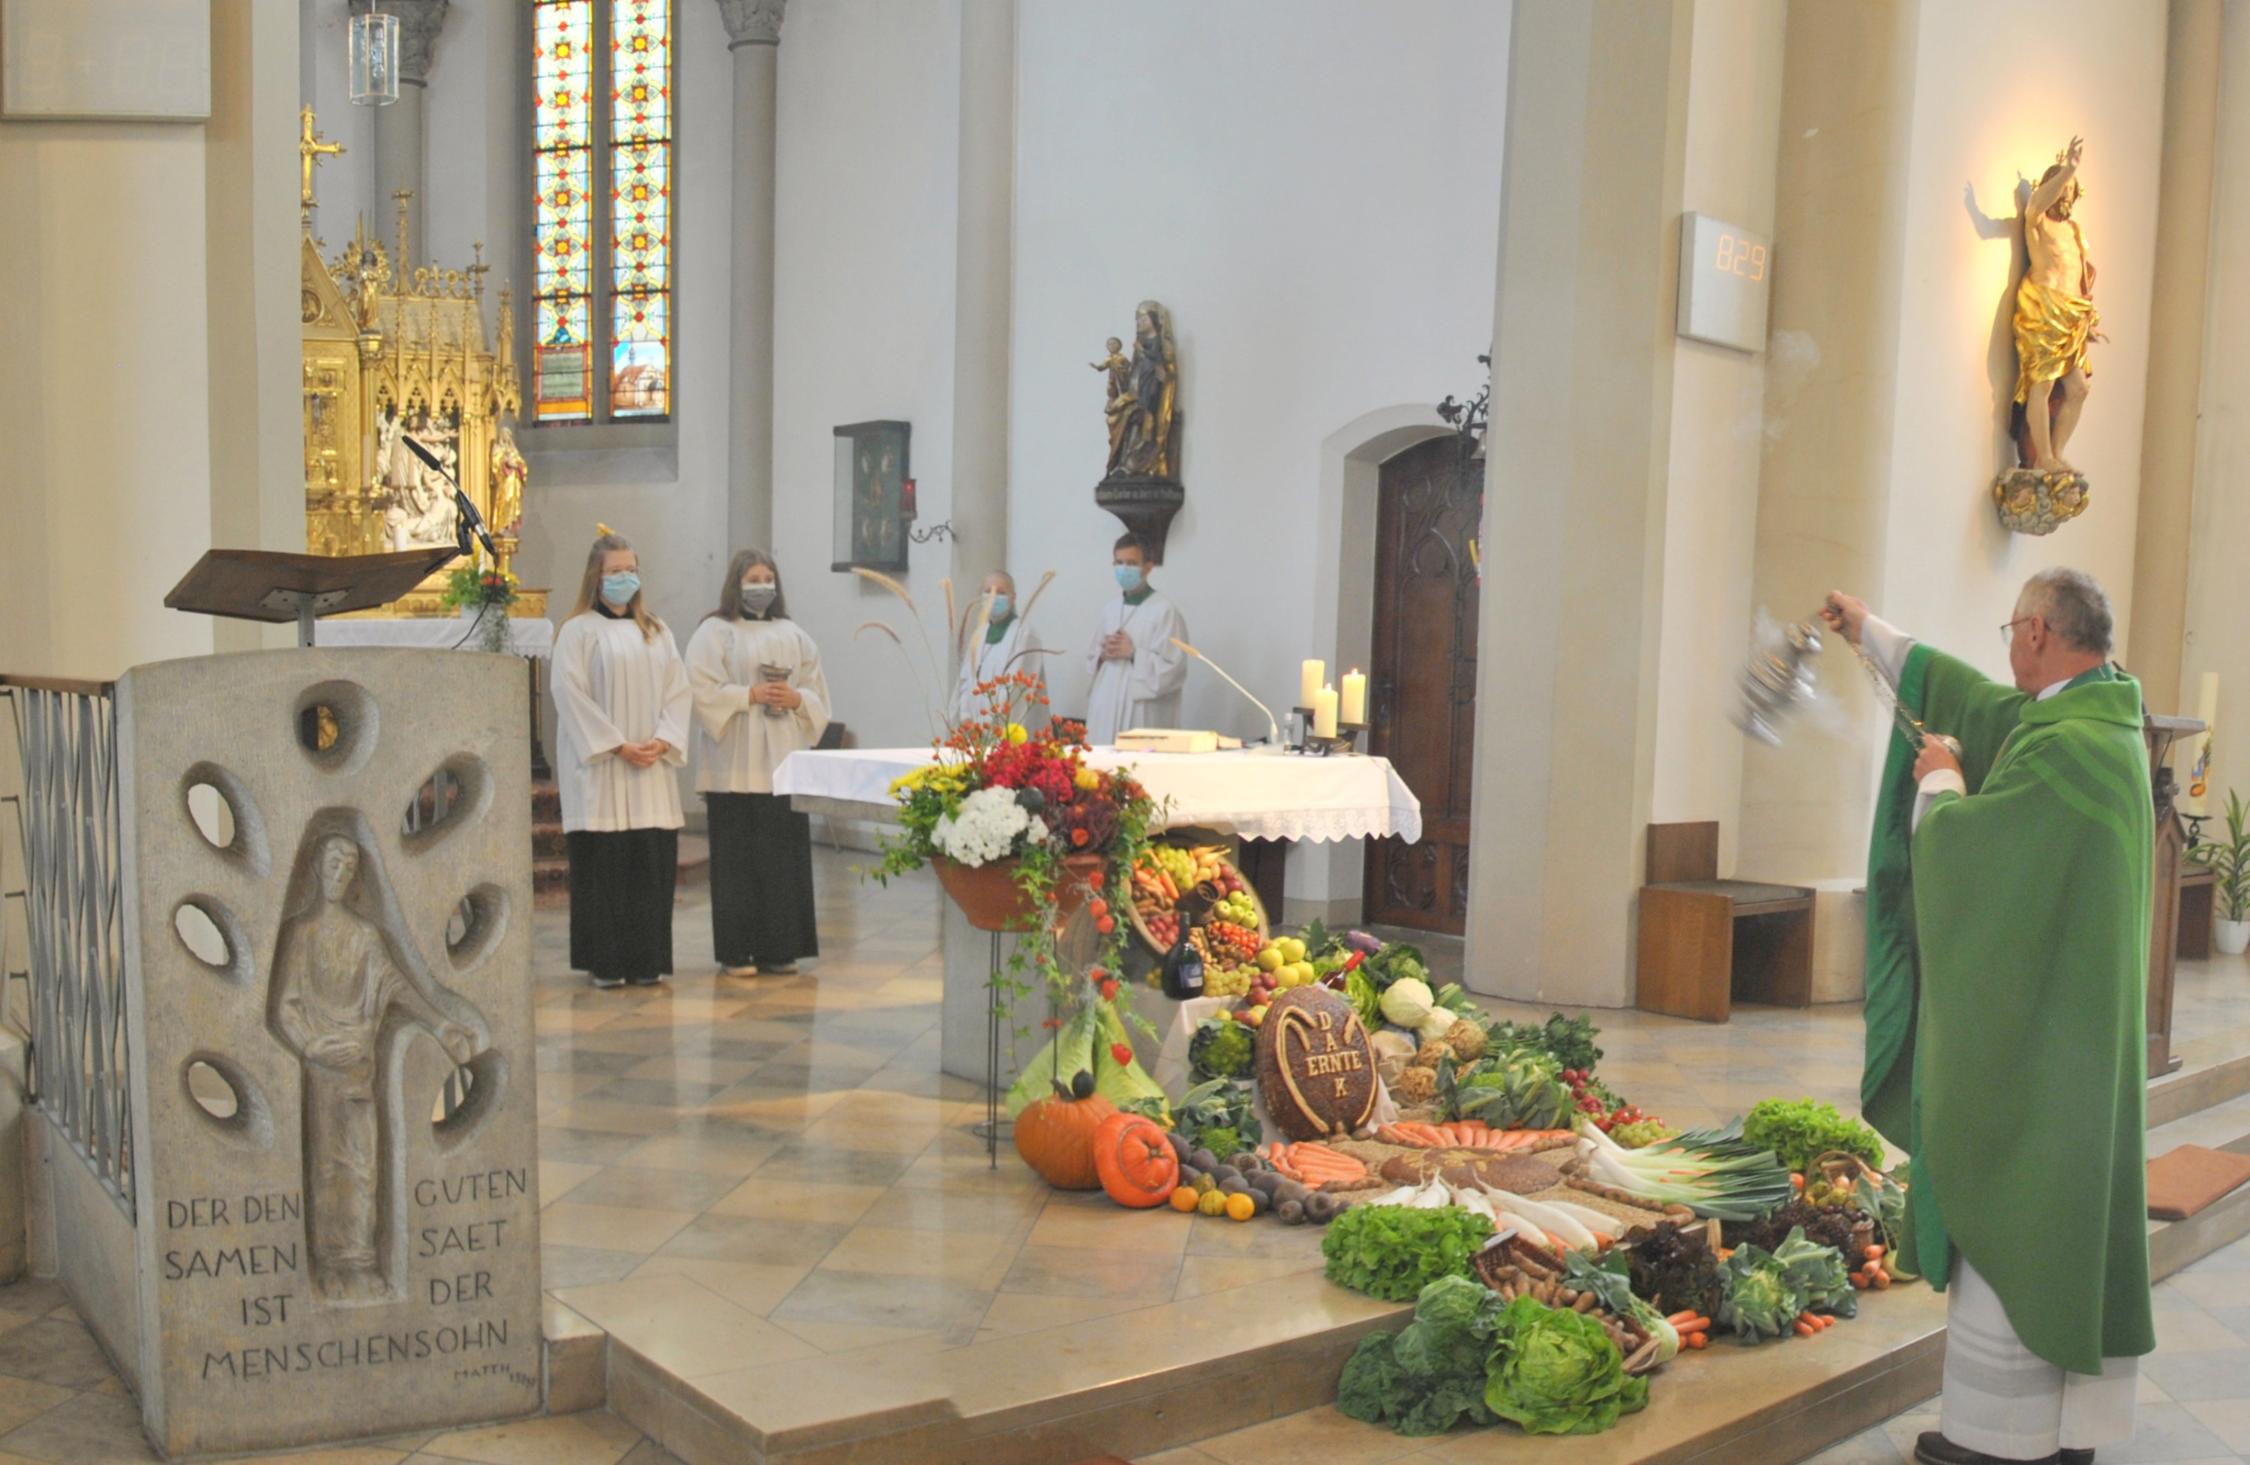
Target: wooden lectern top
268	585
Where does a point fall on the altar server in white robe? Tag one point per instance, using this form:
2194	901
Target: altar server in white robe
621	716
759	696
1005	647
1137	670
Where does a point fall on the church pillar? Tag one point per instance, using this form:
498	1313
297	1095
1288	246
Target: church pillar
984	268
754	38
399	147
1576	479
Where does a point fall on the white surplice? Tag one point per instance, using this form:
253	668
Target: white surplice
614	686
737	745
988	660
1142	692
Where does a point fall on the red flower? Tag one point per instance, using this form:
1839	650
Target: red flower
1109	991
1121	1053
1078	840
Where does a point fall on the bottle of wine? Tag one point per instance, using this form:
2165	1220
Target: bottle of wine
1182	972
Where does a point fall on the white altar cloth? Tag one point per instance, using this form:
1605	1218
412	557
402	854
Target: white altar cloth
526	637
1245	794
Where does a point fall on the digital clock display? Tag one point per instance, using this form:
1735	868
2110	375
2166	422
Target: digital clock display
1725	282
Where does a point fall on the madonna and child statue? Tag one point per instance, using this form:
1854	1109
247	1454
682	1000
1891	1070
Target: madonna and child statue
349	988
1141	479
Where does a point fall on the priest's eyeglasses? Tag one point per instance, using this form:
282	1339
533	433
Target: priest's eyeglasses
2008	631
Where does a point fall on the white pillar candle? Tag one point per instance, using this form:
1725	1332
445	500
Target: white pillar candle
1324	712
1309	681
1355	698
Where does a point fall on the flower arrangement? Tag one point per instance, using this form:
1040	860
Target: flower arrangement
488	589
1000	792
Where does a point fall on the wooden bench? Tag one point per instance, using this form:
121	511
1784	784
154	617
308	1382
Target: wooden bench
1705	941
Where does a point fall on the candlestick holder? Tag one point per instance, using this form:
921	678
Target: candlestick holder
1344	744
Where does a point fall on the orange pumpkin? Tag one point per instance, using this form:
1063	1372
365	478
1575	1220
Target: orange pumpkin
1135	1160
1055	1136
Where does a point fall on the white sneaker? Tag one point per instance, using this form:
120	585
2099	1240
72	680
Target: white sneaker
748	969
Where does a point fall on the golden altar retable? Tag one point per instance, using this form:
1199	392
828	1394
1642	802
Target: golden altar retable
391	350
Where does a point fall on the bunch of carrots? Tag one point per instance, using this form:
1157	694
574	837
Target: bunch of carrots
1314	1165
1871	1272
1693	1327
1811	1324
1467	1133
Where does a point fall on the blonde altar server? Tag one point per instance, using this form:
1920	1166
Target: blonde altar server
1006	647
621	717
1137	670
759	696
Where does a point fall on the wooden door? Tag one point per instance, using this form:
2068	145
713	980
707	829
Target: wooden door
1424	685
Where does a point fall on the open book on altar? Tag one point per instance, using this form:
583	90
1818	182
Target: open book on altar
1174	740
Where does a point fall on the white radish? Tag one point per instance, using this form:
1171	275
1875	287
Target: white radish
1522	1227
1403	1196
1587	1216
1431	1197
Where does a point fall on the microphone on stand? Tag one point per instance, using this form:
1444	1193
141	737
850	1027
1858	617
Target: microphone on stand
1273	729
470	520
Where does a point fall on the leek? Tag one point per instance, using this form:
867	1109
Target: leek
1711	1172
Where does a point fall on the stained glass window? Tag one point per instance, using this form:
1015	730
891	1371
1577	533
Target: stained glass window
640	189
582	151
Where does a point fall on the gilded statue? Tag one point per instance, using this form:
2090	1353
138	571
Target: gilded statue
509	470
2054	319
1141	397
346	985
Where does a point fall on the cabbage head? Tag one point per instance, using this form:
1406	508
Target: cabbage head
1553	1371
1408	1001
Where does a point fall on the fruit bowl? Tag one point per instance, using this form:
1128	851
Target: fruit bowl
1168	871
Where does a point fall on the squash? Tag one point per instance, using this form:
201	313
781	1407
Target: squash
1135	1161
1055	1136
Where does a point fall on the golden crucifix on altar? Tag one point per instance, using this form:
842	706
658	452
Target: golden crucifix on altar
396	350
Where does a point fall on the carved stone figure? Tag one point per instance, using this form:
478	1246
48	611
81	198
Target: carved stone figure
1140	417
421	510
346	983
2054	319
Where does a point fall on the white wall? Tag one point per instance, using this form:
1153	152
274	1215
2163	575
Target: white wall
1718	420
864	241
2088	67
1312	188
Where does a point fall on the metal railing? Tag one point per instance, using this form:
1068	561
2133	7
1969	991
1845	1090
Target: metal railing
66	876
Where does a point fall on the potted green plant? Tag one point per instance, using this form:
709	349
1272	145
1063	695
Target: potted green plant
2229	860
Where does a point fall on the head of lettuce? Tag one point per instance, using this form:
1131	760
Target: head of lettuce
1557	1372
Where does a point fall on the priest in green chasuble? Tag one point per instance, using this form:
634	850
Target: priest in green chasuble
2008	928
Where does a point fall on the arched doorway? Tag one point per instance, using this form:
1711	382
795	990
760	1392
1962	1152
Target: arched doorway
1422	690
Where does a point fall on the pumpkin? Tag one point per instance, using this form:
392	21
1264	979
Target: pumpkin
1135	1161
1055	1136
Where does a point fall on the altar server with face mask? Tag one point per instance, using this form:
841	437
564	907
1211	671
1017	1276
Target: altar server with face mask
621	715
1137	670
759	696
1005	646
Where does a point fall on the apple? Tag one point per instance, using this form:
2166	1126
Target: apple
1270	959
1292	950
1257	1017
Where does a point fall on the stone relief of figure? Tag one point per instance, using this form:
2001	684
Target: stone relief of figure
1140	418
421	510
347	985
2054	317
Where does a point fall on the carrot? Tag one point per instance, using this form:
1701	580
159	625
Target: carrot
1695	1340
1679	1319
1690	1323
1805	1329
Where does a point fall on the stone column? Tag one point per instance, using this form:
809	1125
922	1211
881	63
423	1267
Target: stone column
1577	473
754	36
984	270
399	150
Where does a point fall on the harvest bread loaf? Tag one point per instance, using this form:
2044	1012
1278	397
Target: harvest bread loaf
1316	1068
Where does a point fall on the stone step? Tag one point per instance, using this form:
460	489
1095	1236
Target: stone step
2198	1086
2175	1245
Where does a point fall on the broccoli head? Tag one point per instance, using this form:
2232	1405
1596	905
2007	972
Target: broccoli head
1221	1048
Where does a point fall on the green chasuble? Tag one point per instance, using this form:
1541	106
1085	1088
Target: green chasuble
2007	957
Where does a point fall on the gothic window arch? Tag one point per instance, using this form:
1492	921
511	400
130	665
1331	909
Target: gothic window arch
602	160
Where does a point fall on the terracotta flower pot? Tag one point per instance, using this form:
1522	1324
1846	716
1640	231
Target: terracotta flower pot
989	896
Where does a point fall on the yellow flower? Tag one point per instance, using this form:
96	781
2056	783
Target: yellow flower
1017	734
1088	780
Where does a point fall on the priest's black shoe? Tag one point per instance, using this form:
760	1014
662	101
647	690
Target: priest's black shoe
1933	1448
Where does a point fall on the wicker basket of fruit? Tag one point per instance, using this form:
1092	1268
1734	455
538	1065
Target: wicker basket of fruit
1168	871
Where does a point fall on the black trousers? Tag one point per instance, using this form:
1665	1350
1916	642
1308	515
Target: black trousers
761	881
621	885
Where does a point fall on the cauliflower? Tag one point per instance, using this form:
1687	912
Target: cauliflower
1416	1086
1437	1024
1408	1001
1466	1039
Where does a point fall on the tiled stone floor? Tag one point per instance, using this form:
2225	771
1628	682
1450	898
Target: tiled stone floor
751	1172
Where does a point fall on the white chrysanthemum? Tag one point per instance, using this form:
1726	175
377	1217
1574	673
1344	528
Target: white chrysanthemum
986	829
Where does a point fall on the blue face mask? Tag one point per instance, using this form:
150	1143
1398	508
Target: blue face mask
1003	606
619	589
1128	577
